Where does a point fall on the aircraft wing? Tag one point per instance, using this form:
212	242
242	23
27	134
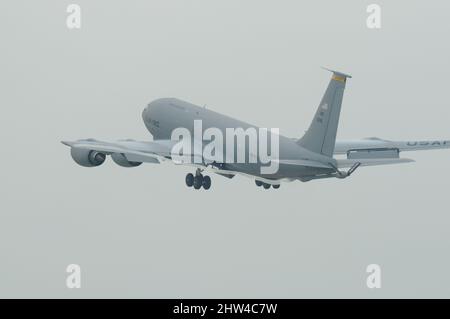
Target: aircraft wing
377	144
134	151
153	152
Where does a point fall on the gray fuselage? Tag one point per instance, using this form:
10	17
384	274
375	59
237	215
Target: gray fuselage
164	115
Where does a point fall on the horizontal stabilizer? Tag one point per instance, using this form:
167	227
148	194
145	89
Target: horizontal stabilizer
307	163
347	163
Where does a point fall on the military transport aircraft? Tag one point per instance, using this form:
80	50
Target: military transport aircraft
304	159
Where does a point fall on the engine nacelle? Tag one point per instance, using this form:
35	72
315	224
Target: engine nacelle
121	160
87	158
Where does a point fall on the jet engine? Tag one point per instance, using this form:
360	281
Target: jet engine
87	158
121	160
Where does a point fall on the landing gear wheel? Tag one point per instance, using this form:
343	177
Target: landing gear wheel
206	182
276	186
266	186
258	183
198	181
189	180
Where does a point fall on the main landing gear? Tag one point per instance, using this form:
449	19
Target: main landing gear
266	185
198	180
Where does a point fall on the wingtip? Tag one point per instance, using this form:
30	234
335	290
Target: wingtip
67	143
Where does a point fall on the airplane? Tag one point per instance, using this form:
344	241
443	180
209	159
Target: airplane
299	159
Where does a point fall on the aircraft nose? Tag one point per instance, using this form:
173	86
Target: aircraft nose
151	108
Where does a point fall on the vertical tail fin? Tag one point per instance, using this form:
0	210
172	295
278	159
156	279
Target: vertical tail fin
321	135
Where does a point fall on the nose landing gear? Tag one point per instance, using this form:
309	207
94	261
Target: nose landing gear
198	180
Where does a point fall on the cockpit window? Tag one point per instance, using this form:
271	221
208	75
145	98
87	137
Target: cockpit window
177	106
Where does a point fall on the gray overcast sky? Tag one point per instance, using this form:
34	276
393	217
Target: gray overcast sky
140	232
